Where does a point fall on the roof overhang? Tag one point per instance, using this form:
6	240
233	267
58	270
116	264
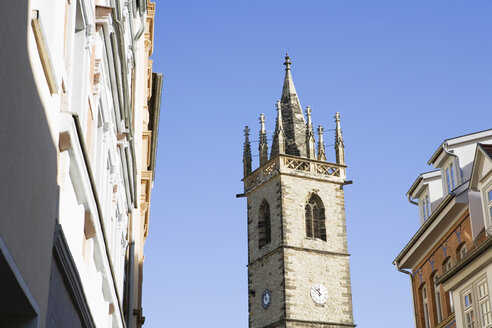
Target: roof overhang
421	182
453	142
425	238
481	155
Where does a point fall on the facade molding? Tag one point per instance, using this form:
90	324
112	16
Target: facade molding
64	259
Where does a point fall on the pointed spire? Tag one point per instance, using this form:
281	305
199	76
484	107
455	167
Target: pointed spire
293	119
278	145
339	146
246	153
310	142
289	87
321	145
263	146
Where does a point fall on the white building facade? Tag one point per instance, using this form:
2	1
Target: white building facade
87	122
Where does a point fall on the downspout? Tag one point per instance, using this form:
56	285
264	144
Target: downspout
126	101
131	264
129	121
411	201
411	284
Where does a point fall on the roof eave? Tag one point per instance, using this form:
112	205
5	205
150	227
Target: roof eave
424	227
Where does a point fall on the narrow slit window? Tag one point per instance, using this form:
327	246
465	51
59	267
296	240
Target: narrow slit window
264	226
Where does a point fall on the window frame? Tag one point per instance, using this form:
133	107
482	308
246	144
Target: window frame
425	304
450	175
487	204
447	264
468	311
461	251
437	298
485	299
314	218
425	206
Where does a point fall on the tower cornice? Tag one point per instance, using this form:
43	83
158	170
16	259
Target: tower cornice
295	166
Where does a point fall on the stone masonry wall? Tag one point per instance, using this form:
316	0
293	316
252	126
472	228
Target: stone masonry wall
270	192
292	263
296	192
309	261
263	274
265	269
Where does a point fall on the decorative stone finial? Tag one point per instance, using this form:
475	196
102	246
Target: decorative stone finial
308	114
246	152
263	146
310	142
278	145
339	146
287	62
321	145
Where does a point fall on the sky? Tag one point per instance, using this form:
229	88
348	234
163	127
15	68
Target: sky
404	75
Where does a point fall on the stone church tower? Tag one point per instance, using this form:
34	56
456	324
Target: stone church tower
298	263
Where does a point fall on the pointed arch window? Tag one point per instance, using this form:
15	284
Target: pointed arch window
264	227
315	218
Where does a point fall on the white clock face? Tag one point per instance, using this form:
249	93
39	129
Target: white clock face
319	294
266	298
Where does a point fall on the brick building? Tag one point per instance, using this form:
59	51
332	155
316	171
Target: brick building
448	259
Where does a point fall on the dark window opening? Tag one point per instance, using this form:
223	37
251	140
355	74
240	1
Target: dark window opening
315	218
264	229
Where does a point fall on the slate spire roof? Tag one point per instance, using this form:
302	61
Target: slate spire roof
294	123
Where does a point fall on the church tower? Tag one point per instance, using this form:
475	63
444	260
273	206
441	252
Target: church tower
298	263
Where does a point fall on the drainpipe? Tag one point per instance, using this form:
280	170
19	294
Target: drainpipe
92	182
131	151
411	201
131	264
411	284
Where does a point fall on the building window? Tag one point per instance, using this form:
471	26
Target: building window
484	303
489	206
447	264
437	298
450	177
425	302
315	218
425	207
264	228
461	252
469	315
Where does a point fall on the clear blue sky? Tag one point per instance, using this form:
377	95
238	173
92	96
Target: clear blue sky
403	74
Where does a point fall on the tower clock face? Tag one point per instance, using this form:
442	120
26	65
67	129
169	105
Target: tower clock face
266	298
319	294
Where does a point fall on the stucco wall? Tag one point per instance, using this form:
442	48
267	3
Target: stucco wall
28	159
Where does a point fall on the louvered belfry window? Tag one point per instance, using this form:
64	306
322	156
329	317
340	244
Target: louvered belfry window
315	218
264	230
